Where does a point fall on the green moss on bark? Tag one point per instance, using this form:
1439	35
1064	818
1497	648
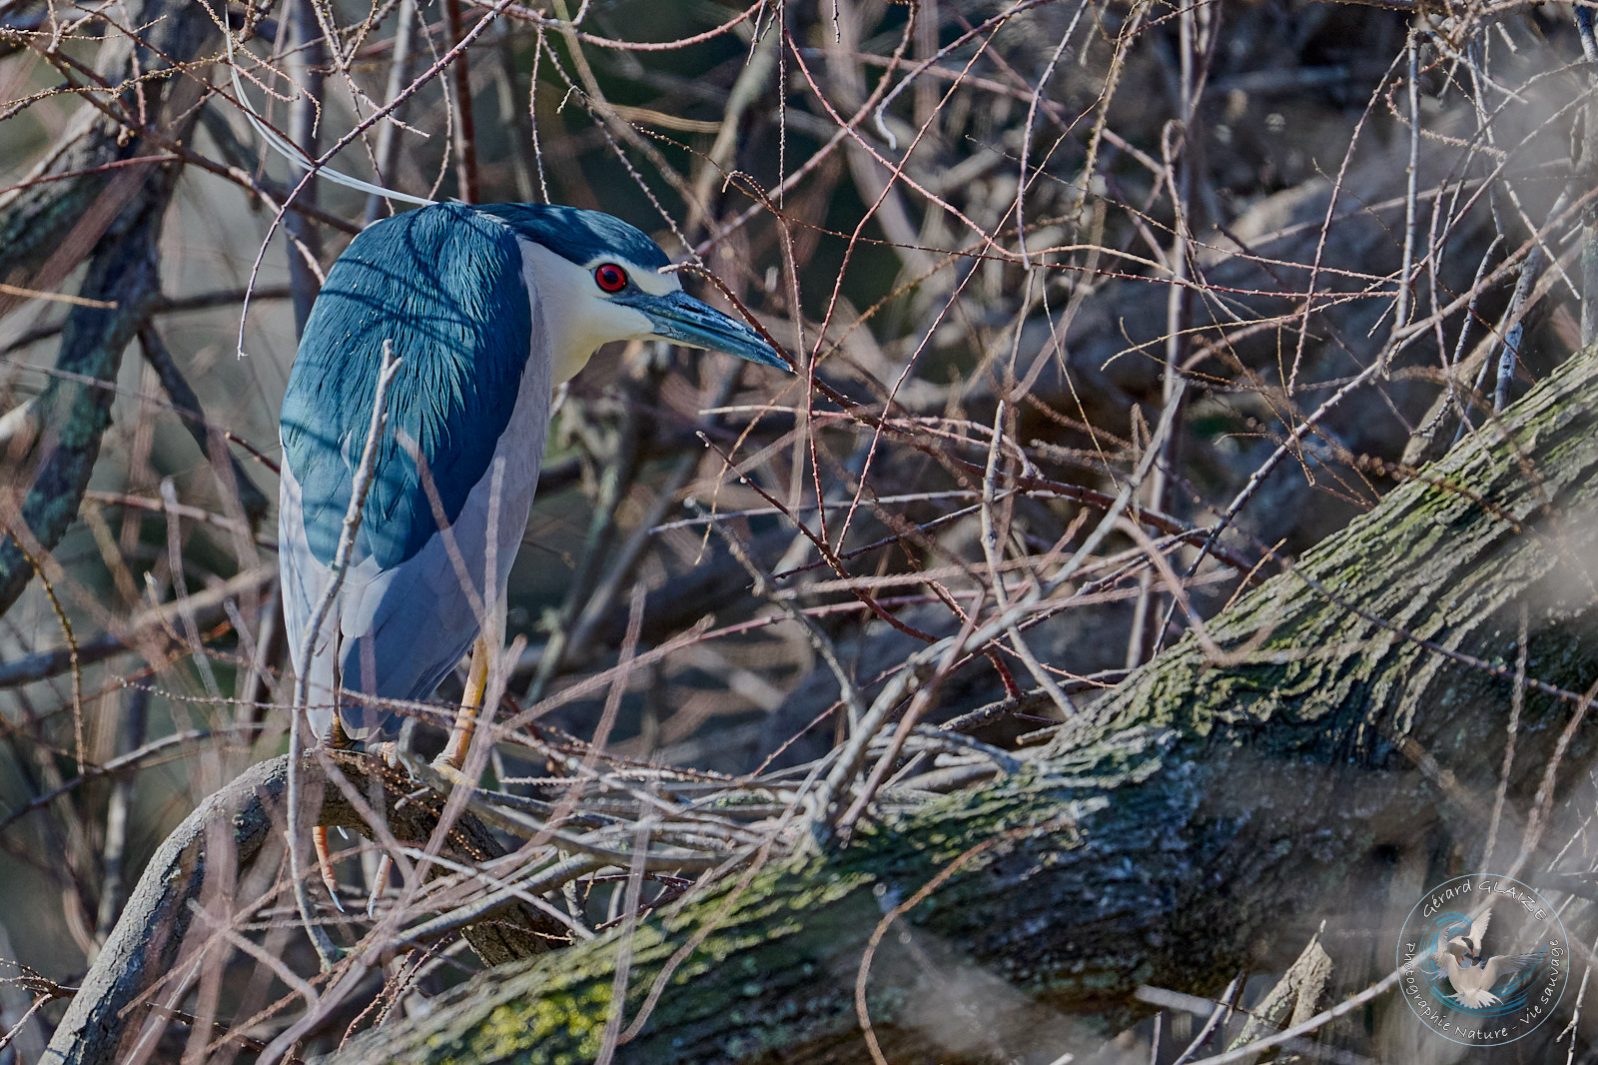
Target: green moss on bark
1137	848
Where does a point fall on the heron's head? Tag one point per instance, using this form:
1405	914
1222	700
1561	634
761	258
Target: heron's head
597	279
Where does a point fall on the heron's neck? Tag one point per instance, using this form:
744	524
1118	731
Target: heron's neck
558	299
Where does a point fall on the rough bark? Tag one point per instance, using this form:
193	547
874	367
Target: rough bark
110	215
197	861
1175	834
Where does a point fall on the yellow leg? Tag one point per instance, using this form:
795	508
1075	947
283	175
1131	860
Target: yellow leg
379	881
339	741
324	864
460	734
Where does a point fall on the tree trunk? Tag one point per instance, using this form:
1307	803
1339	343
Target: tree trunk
83	204
1324	753
195	869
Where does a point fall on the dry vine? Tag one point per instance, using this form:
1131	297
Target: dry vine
1101	314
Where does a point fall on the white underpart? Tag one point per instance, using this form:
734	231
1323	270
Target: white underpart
579	316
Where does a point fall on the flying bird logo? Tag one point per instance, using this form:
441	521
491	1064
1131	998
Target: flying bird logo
1474	990
1480	981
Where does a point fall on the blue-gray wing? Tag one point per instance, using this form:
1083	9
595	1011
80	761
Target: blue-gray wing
393	633
456	464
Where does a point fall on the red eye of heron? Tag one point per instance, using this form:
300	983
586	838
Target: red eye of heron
610	277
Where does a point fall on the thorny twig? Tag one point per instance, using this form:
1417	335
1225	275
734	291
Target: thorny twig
388	368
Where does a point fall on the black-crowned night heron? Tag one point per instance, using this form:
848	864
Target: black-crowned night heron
488	309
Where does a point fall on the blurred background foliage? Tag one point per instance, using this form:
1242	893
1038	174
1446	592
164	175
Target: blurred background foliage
1002	241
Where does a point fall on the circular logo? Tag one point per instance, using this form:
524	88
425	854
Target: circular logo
1484	959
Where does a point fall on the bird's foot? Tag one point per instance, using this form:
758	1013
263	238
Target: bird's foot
453	757
452	774
324	865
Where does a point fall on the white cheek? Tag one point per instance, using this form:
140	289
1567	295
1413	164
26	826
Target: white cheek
622	323
587	323
564	316
577	318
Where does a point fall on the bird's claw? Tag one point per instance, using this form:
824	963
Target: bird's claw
451	774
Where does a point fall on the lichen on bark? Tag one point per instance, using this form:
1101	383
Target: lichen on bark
1137	848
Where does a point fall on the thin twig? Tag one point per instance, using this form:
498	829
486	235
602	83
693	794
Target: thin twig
361	485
